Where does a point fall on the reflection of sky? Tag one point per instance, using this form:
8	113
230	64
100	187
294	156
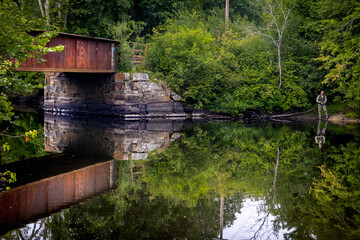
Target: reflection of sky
245	227
32	231
36	230
250	220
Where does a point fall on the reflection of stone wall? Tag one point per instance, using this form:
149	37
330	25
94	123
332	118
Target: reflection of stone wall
122	94
109	138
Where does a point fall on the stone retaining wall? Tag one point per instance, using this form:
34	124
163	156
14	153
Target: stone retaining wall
122	94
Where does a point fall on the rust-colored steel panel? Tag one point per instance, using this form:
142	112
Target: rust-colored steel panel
70	53
38	202
57	59
55	193
80	185
2	213
11	206
29	62
94	50
91	176
104	59
102	183
25	202
69	188
80	54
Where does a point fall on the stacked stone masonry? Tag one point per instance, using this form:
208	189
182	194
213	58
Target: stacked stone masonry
122	94
109	138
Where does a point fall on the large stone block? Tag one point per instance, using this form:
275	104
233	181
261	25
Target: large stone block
119	97
159	126
135	98
152	87
120	86
160	107
133	108
122	76
178	107
140	77
138	156
136	126
176	97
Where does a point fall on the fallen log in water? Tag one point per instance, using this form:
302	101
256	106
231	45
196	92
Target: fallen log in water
289	114
261	116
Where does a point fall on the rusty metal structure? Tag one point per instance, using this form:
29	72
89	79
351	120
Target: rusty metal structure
139	51
80	54
40	198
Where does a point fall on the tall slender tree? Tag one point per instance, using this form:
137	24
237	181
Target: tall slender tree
227	13
278	17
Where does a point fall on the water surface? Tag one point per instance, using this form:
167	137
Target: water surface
162	179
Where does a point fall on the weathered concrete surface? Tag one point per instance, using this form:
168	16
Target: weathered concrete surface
109	137
122	94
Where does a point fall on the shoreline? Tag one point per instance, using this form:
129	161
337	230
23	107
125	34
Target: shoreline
336	118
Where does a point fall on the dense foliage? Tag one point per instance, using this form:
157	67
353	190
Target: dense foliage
243	60
305	46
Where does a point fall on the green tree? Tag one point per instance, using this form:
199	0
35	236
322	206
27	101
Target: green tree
16	45
339	26
93	18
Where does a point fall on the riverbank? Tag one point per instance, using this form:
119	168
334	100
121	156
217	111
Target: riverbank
336	118
35	103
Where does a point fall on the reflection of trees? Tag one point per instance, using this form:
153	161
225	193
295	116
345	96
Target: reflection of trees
227	159
257	233
337	194
183	188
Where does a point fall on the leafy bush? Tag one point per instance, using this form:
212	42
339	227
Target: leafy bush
232	73
186	56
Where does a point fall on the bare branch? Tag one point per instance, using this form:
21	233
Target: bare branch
269	36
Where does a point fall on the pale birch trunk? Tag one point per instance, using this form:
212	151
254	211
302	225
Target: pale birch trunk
58	7
280	17
226	13
41	8
47	11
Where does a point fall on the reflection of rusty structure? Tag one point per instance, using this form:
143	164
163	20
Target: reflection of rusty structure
42	197
111	138
80	54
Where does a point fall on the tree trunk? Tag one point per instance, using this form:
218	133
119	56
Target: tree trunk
65	19
226	13
47	9
276	172
289	114
58	7
221	215
279	63
66	12
41	8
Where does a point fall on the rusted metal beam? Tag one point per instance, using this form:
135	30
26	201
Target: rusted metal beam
38	199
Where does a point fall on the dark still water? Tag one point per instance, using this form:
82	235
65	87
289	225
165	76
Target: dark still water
88	178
